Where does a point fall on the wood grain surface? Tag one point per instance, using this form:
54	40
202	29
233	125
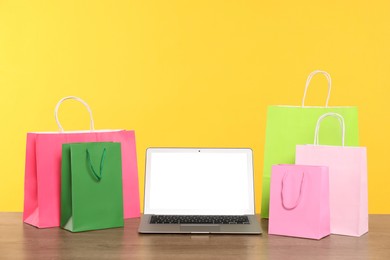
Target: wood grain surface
21	241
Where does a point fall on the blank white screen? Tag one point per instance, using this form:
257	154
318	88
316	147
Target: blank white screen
205	182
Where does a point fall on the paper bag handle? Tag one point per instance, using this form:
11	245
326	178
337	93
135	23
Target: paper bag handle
89	161
92	127
317	131
326	74
300	192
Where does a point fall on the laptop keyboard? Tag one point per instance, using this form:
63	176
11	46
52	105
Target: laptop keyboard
194	219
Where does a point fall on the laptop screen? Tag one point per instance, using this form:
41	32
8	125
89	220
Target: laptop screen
187	181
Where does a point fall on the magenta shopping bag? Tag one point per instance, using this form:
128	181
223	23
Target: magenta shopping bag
299	201
347	178
43	170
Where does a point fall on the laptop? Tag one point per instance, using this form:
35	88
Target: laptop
199	190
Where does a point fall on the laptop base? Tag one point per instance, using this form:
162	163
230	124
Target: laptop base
147	228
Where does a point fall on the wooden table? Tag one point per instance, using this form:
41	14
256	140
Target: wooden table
21	241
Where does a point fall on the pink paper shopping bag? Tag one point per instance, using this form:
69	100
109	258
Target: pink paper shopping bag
347	180
299	201
43	170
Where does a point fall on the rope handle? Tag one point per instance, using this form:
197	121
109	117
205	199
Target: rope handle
300	192
99	176
311	75
92	127
330	114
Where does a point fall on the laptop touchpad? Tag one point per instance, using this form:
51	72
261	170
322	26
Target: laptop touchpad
199	228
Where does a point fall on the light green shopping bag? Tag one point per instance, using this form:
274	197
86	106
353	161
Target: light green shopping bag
288	126
91	186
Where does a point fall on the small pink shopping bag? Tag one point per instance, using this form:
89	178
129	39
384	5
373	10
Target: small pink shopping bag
347	180
42	186
299	201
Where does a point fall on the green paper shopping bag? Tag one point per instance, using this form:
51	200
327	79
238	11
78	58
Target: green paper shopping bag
288	126
91	186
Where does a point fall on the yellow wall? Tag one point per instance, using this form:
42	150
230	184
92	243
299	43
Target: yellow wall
190	73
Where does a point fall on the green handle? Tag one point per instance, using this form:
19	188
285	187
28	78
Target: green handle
98	177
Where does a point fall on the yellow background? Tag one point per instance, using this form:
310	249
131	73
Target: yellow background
190	73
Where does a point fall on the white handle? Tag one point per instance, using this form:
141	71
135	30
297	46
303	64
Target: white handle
326	74
317	131
92	127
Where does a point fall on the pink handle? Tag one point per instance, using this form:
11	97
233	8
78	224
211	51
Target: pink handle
300	193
